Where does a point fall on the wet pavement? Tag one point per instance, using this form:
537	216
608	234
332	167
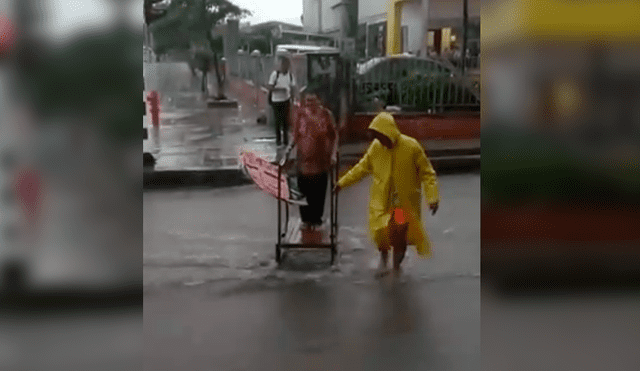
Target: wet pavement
209	140
215	299
192	137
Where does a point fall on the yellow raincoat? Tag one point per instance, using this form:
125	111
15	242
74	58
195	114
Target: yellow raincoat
412	171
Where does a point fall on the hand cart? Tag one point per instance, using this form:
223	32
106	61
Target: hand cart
290	235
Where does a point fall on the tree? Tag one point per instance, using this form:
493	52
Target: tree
197	19
151	14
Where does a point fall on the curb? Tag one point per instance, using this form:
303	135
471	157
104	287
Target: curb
432	153
442	164
222	178
212	103
456	164
219	178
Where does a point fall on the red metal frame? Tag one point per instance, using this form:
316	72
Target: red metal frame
333	233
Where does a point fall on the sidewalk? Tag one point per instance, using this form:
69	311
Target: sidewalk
196	145
200	146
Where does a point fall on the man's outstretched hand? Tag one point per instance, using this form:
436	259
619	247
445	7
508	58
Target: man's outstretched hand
337	189
433	207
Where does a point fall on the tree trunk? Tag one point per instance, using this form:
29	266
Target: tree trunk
220	94
205	88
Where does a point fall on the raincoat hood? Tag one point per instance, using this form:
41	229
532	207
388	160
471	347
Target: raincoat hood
384	124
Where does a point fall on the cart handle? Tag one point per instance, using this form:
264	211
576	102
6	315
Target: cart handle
286	155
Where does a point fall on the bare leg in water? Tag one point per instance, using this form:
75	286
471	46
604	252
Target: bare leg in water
398	240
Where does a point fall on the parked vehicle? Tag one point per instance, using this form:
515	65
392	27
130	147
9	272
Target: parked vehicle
415	84
301	49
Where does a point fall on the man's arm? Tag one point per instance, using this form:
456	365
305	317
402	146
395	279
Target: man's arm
429	179
359	171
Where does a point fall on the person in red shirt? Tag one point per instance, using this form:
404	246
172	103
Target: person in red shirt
315	135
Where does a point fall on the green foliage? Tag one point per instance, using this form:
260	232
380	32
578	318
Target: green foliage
189	22
420	92
428	91
258	42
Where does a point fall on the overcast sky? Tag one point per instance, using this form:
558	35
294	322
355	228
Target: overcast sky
65	18
272	10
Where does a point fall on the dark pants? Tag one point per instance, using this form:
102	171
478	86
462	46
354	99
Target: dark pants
281	113
314	187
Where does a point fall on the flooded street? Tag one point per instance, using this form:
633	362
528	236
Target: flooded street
215	299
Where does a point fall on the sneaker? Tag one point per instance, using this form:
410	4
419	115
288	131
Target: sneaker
296	196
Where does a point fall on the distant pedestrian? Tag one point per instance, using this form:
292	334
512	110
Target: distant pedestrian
282	88
315	135
400	168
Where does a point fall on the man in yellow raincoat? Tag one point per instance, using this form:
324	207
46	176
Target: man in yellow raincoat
400	168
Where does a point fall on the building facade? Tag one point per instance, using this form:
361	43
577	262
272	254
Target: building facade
435	24
265	37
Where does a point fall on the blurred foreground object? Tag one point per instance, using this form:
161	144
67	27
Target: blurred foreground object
70	188
561	141
7	35
67	113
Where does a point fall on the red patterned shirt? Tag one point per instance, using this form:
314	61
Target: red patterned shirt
315	136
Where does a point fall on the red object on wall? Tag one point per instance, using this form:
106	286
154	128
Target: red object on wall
154	102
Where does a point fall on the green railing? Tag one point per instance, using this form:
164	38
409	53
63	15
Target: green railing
414	84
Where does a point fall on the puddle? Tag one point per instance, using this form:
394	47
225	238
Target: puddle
264	140
232	129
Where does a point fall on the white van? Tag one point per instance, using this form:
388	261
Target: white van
289	49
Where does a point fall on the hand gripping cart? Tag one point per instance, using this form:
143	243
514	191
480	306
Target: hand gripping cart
290	235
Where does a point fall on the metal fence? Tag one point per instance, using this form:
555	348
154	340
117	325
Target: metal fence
413	84
471	62
258	68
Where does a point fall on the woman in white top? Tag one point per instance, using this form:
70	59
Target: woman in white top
282	87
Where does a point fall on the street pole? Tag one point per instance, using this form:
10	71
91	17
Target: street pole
465	26
320	16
